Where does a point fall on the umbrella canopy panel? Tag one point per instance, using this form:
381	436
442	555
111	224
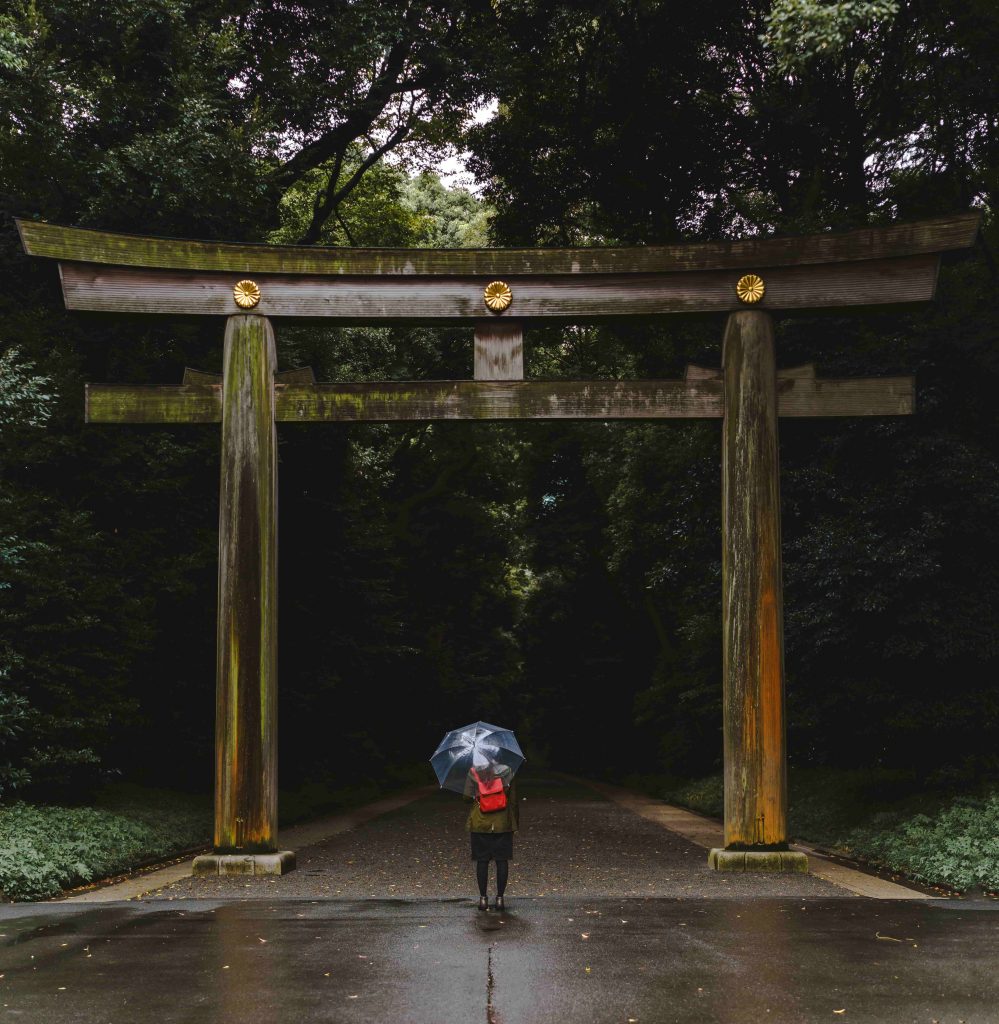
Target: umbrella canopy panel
481	746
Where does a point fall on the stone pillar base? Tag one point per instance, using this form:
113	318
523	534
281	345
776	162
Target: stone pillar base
279	863
757	860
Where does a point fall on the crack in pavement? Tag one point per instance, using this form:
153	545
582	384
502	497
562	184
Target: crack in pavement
491	1017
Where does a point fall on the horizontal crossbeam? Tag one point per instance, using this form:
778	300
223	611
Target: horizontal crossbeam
577	299
887	242
386	401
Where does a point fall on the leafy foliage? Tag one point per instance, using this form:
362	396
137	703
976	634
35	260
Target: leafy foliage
25	399
883	818
44	850
802	30
535	573
957	847
889	527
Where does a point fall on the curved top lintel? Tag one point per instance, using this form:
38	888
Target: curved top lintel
84	245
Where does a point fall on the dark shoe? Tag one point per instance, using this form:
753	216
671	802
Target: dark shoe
483	903
499	904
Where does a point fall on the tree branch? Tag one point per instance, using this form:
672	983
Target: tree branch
356	123
333	196
346	229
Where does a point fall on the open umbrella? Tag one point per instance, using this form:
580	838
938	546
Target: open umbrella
478	745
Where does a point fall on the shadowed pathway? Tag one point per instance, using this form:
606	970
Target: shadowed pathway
572	842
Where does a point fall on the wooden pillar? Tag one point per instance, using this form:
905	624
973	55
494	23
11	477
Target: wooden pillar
752	601
246	694
499	350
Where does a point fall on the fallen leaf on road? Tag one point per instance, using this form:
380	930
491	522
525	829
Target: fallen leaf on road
259	939
584	935
840	1011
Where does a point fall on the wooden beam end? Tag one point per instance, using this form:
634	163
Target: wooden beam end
299	375
200	377
695	373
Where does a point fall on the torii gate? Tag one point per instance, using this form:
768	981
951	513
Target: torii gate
499	291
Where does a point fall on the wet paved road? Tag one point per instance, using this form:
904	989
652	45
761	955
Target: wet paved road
572	842
438	962
611	920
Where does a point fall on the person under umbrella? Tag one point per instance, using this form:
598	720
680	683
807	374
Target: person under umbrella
491	827
479	761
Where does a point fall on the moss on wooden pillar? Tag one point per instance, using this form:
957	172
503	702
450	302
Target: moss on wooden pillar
246	695
752	626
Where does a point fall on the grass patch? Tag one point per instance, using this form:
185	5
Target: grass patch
883	818
45	849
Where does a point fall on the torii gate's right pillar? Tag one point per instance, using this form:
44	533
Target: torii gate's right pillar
752	606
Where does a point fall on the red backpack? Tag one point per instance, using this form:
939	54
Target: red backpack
492	796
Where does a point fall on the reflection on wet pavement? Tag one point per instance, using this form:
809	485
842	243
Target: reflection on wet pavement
548	960
611	919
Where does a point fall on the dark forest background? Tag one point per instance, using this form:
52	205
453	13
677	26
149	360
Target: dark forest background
562	579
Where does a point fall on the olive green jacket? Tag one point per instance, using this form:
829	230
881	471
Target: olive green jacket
507	820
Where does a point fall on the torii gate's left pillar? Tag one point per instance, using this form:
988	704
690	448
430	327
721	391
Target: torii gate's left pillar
246	668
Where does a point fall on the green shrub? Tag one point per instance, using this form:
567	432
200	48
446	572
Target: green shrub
880	817
44	850
957	847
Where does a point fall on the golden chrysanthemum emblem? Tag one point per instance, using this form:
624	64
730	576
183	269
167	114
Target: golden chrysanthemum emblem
497	296
750	288
246	294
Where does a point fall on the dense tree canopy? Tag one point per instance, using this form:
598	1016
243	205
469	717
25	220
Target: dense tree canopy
538	573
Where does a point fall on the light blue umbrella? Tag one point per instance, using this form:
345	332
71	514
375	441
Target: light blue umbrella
478	745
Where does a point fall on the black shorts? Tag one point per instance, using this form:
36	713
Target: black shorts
492	845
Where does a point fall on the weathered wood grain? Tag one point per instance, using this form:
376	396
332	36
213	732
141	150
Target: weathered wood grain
497	400
200	377
300	375
78	244
386	401
499	351
752	600
801	393
445	299
131	403
246	688
873	396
